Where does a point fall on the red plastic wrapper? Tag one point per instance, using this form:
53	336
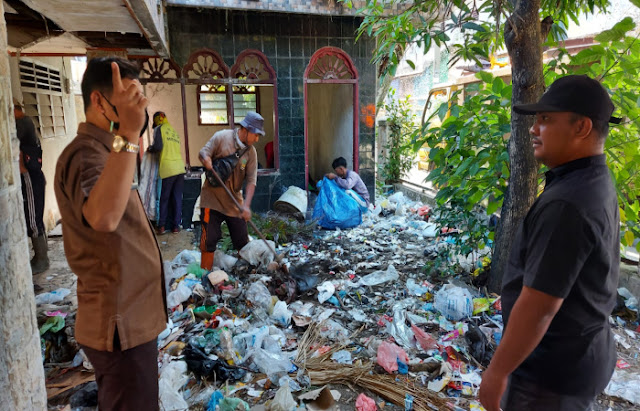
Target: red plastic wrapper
388	356
364	403
425	340
622	364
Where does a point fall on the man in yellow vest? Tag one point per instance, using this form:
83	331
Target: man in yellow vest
171	170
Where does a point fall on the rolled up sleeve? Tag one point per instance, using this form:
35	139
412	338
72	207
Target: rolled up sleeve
346	183
252	167
209	149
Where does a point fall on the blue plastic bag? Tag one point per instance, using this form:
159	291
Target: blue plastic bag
335	208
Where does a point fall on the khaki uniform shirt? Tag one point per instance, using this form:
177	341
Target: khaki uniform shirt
222	144
120	276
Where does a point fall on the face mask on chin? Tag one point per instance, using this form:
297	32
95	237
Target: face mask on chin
115	125
146	122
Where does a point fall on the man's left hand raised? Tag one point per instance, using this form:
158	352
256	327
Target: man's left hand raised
492	388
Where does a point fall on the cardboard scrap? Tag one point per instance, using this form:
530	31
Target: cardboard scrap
321	399
301	320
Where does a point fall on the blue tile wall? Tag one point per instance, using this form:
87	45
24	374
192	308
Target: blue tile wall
289	41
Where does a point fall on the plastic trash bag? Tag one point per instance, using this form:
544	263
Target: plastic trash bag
274	365
335	208
425	340
624	384
631	302
233	404
224	261
364	403
380	277
342	357
256	252
172	378
283	401
53	324
281	314
293	384
259	296
325	291
179	295
204	367
416	289
399	330
52	297
187	257
397	198
333	331
454	302
214	401
390	355
247	343
305	277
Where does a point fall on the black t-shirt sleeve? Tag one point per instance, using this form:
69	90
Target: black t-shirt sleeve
560	241
157	140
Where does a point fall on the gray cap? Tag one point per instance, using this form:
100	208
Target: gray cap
254	123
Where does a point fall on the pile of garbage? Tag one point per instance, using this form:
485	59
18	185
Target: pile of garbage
355	303
352	308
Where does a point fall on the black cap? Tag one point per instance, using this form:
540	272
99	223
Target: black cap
577	94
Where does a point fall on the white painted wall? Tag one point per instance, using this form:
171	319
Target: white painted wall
51	147
330	126
198	135
166	98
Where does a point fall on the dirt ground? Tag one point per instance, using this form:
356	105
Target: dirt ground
59	275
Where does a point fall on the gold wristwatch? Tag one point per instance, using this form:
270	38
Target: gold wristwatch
121	144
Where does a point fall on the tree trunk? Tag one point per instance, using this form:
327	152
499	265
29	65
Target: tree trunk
21	372
524	37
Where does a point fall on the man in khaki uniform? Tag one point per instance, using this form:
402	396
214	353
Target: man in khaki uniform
109	242
215	202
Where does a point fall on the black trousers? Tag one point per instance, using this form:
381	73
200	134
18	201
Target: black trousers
33	183
127	380
211	232
526	395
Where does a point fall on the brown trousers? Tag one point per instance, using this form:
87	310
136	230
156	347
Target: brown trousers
127	380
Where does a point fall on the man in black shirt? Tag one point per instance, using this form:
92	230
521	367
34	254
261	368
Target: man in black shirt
557	351
33	185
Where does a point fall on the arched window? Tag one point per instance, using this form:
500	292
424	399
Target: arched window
207	70
254	88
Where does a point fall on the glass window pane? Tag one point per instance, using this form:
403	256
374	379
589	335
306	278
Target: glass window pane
213	106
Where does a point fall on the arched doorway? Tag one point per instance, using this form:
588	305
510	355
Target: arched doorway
331	112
